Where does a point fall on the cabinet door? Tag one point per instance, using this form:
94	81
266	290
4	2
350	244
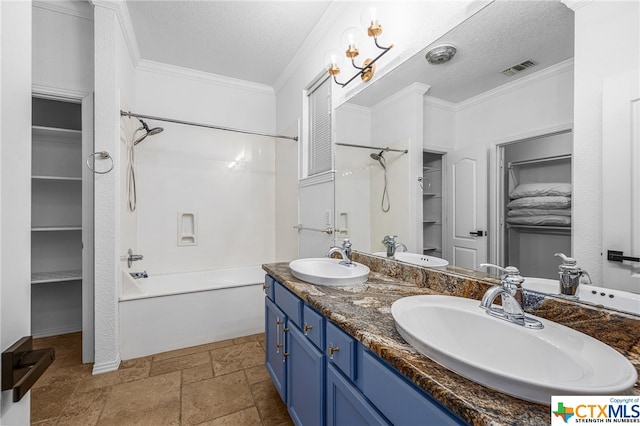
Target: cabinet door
346	405
275	322
305	380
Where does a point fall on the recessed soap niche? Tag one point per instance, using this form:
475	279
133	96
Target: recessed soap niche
187	229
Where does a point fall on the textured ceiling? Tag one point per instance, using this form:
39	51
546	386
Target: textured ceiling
502	34
247	40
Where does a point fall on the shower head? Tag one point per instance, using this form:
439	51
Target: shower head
147	132
379	158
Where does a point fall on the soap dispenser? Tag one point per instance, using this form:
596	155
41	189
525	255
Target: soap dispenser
570	275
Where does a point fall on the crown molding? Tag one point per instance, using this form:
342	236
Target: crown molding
509	87
414	88
201	76
440	103
575	4
50	92
124	19
329	17
66	8
355	109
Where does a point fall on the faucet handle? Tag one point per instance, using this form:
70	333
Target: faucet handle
346	244
509	270
389	239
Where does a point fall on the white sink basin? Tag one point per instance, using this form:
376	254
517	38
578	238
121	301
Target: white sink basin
529	364
328	271
417	259
614	299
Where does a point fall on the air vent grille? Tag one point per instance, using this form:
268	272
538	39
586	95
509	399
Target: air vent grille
514	69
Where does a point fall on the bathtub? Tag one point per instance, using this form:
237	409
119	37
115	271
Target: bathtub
173	311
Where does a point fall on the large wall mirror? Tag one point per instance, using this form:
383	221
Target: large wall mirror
408	146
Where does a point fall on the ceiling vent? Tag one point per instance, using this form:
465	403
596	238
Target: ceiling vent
514	69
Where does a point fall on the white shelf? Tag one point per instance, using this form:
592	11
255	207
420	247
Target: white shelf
431	194
55	276
55	228
430	169
431	222
432	249
56	134
57	178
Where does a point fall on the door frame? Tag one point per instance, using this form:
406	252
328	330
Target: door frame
497	244
86	101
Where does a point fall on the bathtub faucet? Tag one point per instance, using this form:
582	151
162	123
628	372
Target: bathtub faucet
345	252
132	257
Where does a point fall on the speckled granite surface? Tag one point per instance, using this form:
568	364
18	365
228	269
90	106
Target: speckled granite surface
364	311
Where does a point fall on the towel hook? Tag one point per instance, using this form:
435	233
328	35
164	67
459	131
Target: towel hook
104	155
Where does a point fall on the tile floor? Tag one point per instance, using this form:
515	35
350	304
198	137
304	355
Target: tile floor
221	383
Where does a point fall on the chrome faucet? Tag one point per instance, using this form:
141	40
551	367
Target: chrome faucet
570	275
345	252
392	246
510	291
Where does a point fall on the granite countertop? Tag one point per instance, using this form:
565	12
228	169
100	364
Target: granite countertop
364	311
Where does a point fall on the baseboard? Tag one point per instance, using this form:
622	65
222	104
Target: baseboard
106	367
56	331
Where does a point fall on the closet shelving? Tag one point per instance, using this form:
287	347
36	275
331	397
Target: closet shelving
431	184
56	217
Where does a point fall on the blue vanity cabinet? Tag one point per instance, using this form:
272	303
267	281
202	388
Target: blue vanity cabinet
346	405
305	380
295	363
275	323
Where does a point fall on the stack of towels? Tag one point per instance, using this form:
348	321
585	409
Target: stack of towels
545	204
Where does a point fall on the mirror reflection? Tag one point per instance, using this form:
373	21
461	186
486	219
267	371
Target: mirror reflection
470	160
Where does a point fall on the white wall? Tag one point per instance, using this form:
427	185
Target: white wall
15	189
539	101
397	122
600	26
227	179
352	184
410	26
63	46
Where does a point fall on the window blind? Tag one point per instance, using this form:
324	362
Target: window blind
320	128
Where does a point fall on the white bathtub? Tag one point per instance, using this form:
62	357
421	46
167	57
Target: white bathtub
173	311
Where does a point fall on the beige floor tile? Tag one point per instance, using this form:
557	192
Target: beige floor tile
215	397
197	373
192	350
237	357
49	422
249	338
84	408
47	402
179	363
246	417
129	371
73	374
270	406
151	401
257	374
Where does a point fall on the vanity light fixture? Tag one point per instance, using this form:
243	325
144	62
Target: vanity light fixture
368	67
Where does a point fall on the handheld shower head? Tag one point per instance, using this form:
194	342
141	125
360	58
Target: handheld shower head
147	132
380	159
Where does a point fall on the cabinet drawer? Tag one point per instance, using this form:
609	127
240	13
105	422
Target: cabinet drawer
289	303
313	326
269	286
389	392
341	350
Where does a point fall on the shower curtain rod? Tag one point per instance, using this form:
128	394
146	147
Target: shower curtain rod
375	148
208	126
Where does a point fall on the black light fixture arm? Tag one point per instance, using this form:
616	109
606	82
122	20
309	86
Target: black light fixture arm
365	68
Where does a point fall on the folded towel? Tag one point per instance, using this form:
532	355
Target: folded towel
546	220
554	202
539	212
541	190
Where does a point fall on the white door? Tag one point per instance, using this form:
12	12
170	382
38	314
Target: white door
466	212
621	180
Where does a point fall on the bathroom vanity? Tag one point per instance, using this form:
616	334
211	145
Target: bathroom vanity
336	358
